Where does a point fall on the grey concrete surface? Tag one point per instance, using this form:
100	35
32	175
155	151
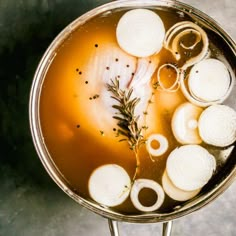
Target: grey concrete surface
30	203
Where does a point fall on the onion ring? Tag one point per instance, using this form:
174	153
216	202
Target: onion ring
138	185
172	88
161	140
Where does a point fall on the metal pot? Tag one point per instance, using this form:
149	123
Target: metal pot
213	189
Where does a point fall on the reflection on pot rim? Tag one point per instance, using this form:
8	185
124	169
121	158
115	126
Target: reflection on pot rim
216	189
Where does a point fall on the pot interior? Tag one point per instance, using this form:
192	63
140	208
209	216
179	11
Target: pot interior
56	57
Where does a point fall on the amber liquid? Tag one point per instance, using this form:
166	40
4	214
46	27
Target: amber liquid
75	140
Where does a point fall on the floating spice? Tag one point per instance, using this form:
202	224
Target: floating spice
95	96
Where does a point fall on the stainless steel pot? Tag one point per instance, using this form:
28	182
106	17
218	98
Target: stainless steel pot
215	187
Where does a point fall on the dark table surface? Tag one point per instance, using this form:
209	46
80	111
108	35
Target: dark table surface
30	202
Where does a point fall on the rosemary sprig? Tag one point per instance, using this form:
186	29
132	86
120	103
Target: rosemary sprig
127	121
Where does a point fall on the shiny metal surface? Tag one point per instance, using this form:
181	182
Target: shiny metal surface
217	187
113	226
167	228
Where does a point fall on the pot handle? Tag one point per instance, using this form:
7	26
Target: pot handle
166	228
114	229
113	226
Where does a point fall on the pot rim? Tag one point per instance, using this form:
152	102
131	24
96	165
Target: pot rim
37	135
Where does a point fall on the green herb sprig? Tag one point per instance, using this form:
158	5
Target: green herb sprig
127	121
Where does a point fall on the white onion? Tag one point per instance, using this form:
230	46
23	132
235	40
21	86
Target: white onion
163	144
175	193
185	123
140	32
190	167
109	185
209	80
138	185
189	96
217	125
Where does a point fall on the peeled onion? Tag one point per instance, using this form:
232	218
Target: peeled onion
209	80
217	125
138	185
185	123
175	193
190	167
109	185
140	32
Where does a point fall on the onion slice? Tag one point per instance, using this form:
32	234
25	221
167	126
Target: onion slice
109	185
185	123
163	144
140	32
209	80
217	125
175	86
188	95
173	41
175	193
138	185
190	167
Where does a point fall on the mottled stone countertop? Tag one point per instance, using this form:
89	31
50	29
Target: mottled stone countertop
30	202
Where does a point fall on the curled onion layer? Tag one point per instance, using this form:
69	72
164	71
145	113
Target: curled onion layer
163	144
138	185
175	86
173	37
